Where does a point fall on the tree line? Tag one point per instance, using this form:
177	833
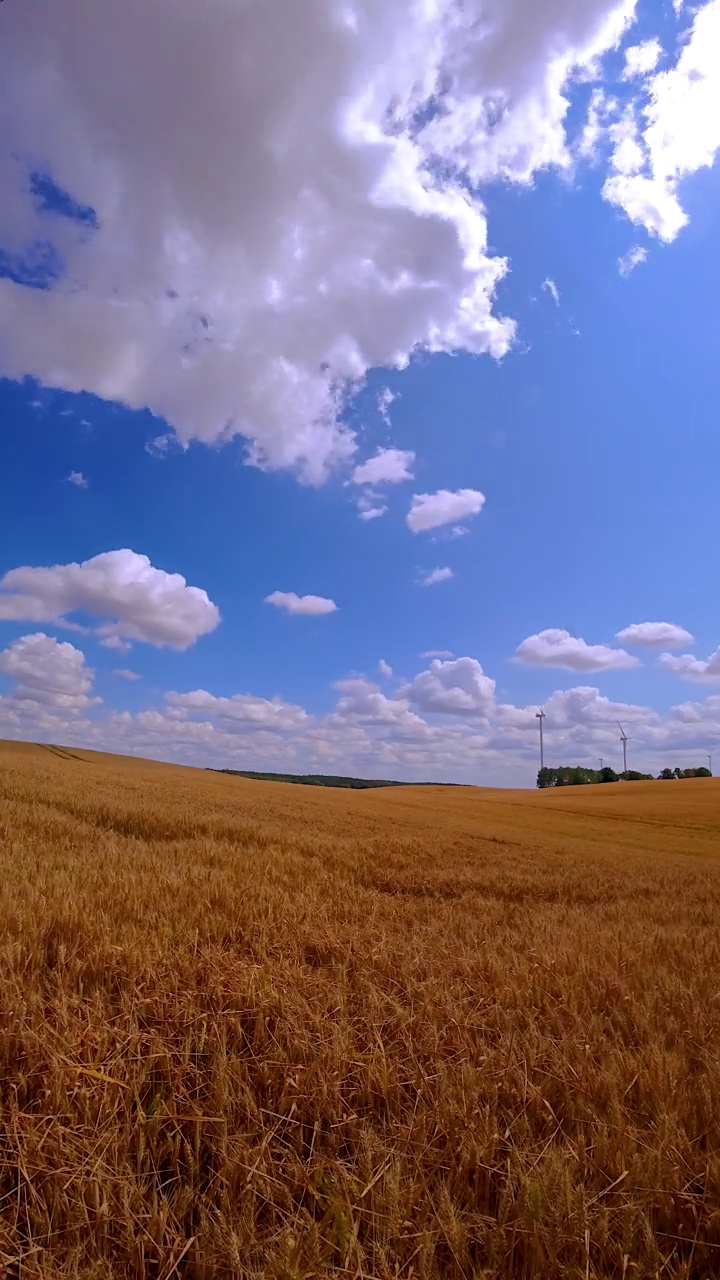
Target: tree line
577	776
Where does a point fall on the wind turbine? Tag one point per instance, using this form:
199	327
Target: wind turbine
709	762
602	761
624	739
540	716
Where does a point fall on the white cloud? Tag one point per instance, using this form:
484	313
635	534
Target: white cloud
240	712
362	702
124	674
116	643
602	109
688	667
384	668
675	134
139	601
387	466
445	724
458	688
432	510
48	673
437	575
640	59
557	648
438	653
310	605
655	635
550	287
385	400
77	478
632	259
370	506
227	305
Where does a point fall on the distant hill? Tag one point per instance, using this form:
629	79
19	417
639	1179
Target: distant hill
316	779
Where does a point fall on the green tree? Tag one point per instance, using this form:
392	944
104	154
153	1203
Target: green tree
607	775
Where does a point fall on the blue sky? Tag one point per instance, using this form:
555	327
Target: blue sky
195	371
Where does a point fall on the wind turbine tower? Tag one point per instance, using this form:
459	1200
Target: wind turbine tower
624	739
540	716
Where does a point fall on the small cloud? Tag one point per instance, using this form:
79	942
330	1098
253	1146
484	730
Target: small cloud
437	575
384	668
655	635
311	606
688	667
432	510
550	287
640	59
631	260
387	466
438	653
124	674
159	445
603	108
116	643
557	648
77	478
384	401
370	506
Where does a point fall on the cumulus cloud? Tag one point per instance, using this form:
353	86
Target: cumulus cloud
48	673
444	724
438	653
270	196
432	510
688	667
642	58
632	259
240	712
435	576
458	688
362	702
384	668
312	606
387	466
139	601
655	635
78	479
557	648
550	287
675	134
124	674
585	706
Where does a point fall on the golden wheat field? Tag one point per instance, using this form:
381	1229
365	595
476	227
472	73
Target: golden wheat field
258	1030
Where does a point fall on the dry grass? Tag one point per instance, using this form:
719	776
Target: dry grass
250	1030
